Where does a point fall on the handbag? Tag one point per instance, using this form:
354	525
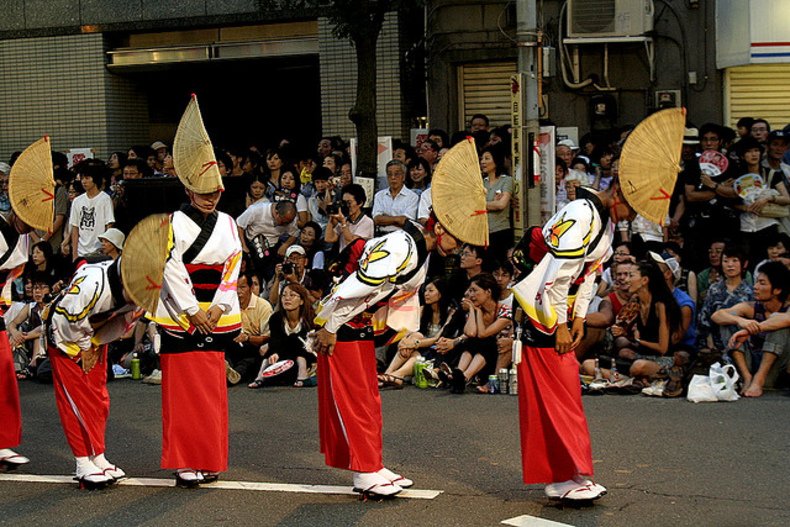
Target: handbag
772	210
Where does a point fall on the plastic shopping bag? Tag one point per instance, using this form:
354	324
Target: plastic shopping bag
723	379
700	390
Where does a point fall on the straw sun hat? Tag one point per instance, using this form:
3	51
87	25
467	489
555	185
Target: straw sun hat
31	186
650	162
143	262
459	197
193	155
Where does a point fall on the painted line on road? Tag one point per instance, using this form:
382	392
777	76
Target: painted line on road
225	485
533	521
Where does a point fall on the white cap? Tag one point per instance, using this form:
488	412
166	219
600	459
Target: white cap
569	143
671	263
295	249
5	168
114	236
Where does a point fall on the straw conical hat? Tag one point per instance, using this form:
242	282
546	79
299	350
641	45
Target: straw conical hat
31	186
650	162
193	155
143	262
458	194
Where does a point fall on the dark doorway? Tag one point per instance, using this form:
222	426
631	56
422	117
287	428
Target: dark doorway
244	103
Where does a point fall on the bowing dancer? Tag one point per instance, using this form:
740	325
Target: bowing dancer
199	313
382	292
555	440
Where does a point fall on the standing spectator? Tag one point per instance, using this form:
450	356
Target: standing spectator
566	150
744	126
92	212
394	206
499	188
350	223
74	189
711	137
419	178
325	147
429	151
760	130
256	191
5	203
479	122
289	189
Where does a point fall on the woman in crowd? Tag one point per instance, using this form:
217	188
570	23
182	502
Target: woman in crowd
27	327
256	191
310	239
485	318
41	260
560	173
346	175
419	175
115	163
289	326
289	187
499	189
435	314
648	344
333	163
688	278
349	223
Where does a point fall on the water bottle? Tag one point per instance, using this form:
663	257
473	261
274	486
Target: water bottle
135	367
614	376
492	382
513	382
598	370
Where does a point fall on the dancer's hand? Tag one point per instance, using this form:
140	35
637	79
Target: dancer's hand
214	313
325	341
563	339
577	332
200	321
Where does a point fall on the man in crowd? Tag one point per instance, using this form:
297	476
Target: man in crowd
760	130
91	212
112	243
479	123
291	271
262	225
429	151
350	223
396	205
242	357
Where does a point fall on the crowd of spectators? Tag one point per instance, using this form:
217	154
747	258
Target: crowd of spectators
668	301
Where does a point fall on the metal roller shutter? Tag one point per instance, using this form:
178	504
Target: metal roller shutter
758	90
485	88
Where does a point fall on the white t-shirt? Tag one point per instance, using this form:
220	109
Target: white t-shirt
258	219
363	228
90	216
426	202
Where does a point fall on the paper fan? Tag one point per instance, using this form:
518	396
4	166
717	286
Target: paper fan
31	186
143	261
650	162
193	154
277	368
713	163
458	194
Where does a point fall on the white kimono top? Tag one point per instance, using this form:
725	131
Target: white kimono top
384	263
12	268
220	257
548	294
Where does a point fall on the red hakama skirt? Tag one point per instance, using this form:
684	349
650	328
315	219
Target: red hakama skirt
194	411
10	414
83	401
349	408
555	440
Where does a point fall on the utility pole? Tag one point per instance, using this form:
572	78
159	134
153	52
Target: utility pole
529	46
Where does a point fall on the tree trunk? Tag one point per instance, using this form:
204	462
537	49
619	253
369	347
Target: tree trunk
363	114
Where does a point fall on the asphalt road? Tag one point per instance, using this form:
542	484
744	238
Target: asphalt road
665	462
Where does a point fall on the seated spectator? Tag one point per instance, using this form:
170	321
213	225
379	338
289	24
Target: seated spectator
712	274
477	351
289	188
685	338
112	243
503	274
424	207
688	278
394	206
243	357
310	240
419	176
349	223
289	327
261	227
597	323
435	314
292	271
777	250
26	330
723	294
622	253
763	356
42	260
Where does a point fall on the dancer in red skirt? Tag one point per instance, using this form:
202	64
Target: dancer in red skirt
381	293
199	313
555	440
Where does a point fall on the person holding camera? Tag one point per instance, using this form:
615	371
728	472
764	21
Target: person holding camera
291	271
347	222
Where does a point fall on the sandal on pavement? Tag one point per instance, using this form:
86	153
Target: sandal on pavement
393	381
188	478
254	385
397	479
10	460
209	477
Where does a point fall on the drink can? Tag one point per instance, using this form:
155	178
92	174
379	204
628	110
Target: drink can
513	382
492	384
503	380
419	375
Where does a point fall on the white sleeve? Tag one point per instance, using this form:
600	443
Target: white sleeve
246	217
411	206
584	295
107	212
226	292
564	272
71	327
424	208
366	228
301	204
74	215
377	207
178	285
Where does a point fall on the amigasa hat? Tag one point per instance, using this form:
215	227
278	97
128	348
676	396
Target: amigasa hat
193	155
31	186
145	253
650	163
459	197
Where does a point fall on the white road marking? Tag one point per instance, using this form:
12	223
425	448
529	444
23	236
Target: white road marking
224	485
533	521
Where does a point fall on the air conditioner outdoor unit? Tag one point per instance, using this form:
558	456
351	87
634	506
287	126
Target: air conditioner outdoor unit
609	18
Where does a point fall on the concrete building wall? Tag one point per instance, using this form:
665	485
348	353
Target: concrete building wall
339	81
58	86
